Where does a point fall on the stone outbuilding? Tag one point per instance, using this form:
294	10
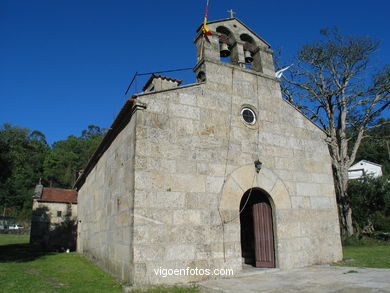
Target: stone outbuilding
54	218
223	173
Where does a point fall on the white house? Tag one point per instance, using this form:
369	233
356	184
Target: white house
364	167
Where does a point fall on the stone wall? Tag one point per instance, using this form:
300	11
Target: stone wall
50	230
191	140
105	228
166	193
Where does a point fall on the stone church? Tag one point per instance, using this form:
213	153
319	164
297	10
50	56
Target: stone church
222	173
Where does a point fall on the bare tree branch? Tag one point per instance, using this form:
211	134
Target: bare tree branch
329	85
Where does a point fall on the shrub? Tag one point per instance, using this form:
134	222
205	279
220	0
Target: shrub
381	222
370	200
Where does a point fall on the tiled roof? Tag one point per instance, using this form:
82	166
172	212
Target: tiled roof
153	76
59	195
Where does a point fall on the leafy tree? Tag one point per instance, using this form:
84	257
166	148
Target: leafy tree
375	147
329	83
25	158
370	200
69	156
22	156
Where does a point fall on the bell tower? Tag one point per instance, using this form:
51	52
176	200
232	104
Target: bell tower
232	42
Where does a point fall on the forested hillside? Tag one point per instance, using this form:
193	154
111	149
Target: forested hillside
26	159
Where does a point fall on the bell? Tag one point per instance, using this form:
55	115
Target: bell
248	56
224	51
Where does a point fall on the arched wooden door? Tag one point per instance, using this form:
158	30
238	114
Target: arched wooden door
257	240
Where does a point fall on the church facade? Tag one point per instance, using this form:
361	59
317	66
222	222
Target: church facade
223	173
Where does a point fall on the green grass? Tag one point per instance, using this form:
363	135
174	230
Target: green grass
168	290
368	253
24	269
6	239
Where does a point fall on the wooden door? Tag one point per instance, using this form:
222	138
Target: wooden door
264	238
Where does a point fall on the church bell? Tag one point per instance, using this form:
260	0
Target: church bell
248	56
224	51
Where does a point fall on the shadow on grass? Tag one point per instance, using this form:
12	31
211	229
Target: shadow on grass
20	253
53	234
46	238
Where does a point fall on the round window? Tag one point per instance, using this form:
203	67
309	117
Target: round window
248	115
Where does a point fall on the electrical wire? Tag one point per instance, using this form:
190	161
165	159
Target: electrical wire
156	72
223	222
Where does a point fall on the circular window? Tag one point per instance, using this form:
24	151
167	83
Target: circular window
248	115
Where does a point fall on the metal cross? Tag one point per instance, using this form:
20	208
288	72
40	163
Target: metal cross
231	13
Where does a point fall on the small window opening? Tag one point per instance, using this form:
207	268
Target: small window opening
201	77
248	115
59	213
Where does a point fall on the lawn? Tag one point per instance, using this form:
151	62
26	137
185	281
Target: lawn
367	253
168	290
6	239
23	269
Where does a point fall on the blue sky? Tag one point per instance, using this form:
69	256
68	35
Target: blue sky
65	64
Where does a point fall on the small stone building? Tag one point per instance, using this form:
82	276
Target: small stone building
223	173
54	218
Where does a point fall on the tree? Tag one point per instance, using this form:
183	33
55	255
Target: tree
329	83
69	156
21	167
376	146
370	199
26	158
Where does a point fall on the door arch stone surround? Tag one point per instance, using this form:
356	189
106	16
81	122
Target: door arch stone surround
237	183
245	178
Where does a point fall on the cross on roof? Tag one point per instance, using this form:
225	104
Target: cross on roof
231	13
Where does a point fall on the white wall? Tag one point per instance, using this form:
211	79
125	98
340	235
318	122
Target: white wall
364	168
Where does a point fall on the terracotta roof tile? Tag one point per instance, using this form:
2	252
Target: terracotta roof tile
59	195
153	76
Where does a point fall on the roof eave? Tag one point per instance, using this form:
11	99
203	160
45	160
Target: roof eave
119	123
54	201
